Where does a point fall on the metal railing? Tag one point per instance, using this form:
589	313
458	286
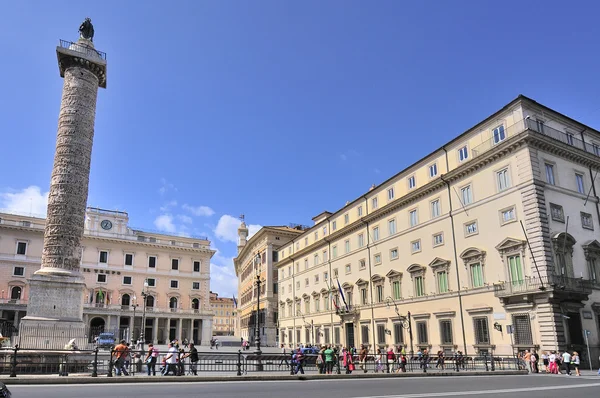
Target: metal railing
541	128
93	362
550	282
82	49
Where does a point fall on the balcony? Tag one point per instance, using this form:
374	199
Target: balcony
13	302
546	283
540	128
81	49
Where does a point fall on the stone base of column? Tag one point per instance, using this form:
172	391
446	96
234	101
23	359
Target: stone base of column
54	312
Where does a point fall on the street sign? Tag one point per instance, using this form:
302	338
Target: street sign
509	329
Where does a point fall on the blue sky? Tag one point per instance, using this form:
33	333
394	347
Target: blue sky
276	109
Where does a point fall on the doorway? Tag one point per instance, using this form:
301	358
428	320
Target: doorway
349	334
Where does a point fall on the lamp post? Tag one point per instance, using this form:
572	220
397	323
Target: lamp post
143	329
258	352
406	321
134	305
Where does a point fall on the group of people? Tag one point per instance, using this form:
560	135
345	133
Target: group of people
171	363
553	362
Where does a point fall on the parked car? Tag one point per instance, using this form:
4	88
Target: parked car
4	392
106	340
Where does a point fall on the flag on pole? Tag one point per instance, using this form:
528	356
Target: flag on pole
234	301
342	294
331	296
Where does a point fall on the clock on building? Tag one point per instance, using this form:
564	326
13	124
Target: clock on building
106	224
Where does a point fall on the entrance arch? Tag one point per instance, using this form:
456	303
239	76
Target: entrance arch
97	325
15	293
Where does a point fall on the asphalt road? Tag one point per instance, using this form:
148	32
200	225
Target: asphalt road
539	386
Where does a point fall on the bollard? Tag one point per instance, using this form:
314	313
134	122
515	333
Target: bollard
239	363
95	364
13	364
110	364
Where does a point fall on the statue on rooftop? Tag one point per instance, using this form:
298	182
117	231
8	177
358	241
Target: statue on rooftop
86	30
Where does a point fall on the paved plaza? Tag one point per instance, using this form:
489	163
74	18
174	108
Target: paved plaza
533	386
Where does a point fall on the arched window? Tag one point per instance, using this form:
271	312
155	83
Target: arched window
149	301
100	297
125	299
173	302
196	304
15	293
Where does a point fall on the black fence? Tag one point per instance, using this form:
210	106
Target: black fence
14	362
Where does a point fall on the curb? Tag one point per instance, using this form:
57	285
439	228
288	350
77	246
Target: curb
208	379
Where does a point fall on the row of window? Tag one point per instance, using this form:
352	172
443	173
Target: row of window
128	281
557	214
152	261
101	299
477	279
471	228
578	181
481	332
503	182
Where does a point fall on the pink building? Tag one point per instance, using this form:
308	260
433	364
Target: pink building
121	266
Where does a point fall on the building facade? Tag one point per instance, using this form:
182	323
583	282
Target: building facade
443	241
224	310
256	258
121	266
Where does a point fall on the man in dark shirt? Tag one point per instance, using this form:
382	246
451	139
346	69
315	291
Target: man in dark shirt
193	355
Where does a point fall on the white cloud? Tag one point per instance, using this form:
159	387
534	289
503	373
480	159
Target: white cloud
226	229
30	200
199	211
166	186
168	206
164	223
185	219
349	154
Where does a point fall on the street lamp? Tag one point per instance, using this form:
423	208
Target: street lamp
258	352
143	329
405	321
134	305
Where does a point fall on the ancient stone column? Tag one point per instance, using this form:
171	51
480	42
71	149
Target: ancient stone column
57	288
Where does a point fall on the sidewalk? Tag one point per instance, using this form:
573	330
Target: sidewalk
231	376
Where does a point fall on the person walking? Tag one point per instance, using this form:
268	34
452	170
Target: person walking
566	360
151	358
362	358
119	354
283	357
576	362
390	359
534	362
171	361
328	353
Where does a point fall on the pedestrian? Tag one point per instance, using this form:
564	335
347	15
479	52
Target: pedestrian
545	361
390	359
566	360
119	354
193	355
299	359
534	362
151	358
379	361
181	362
362	358
440	360
576	362
171	361
328	353
320	360
552	365
284	357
